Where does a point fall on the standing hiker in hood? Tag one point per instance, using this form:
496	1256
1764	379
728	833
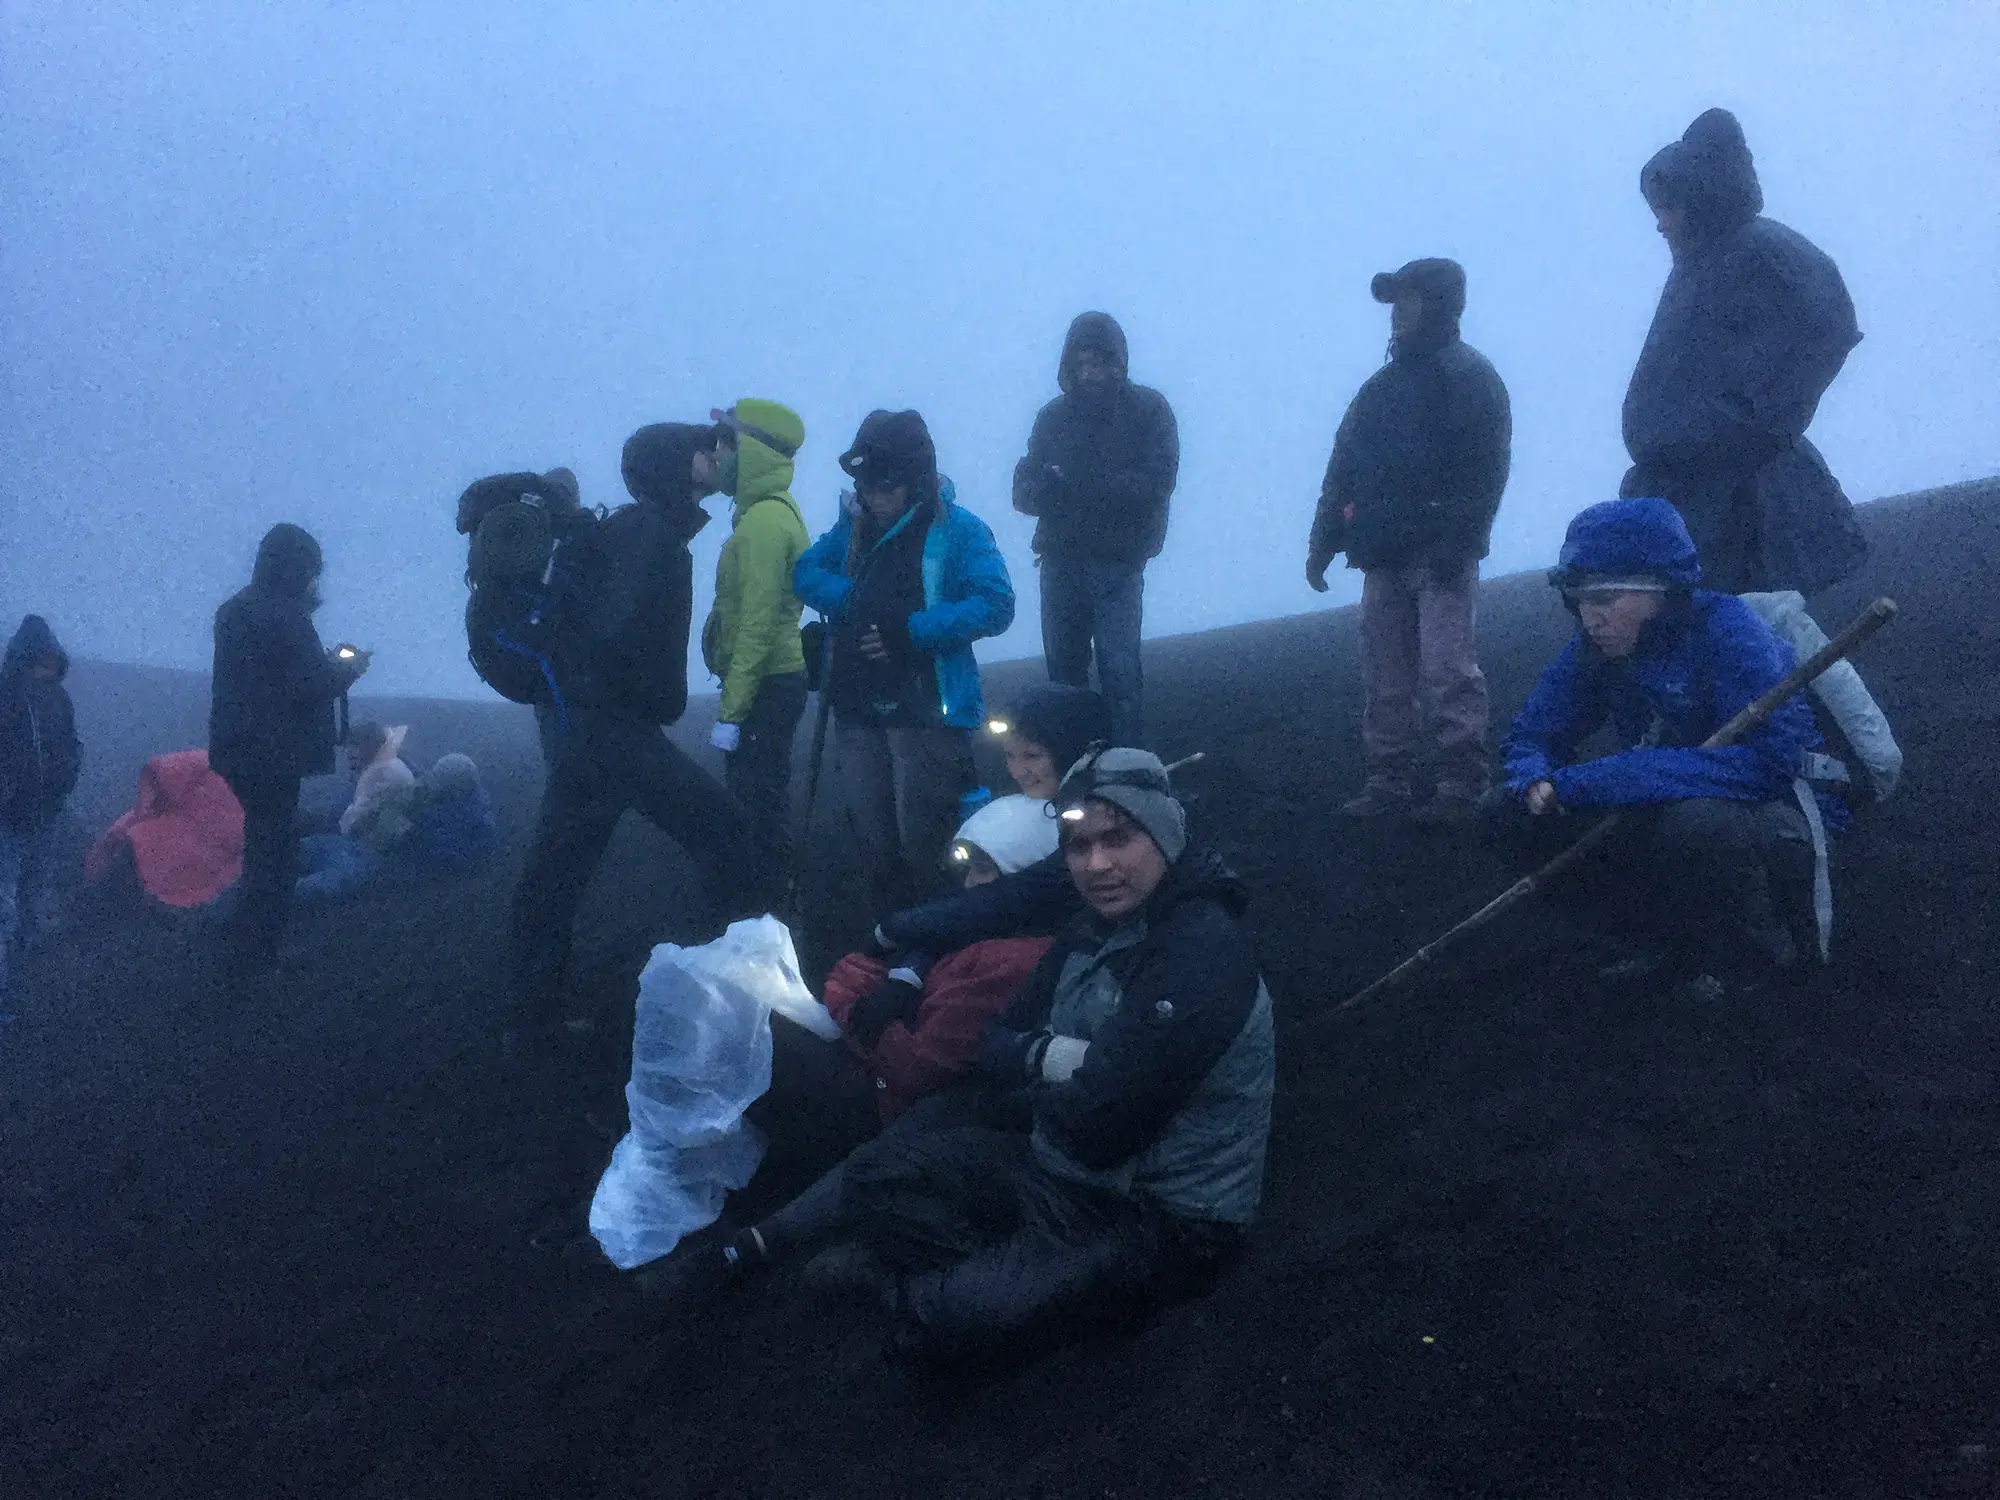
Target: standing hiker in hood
1102	462
1715	859
751	640
908	580
1753	325
622	680
271	724
1410	495
39	761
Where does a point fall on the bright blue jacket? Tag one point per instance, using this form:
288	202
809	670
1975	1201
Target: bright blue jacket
1694	668
967	595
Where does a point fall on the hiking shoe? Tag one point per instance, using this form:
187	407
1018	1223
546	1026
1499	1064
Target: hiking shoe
1449	808
1379	799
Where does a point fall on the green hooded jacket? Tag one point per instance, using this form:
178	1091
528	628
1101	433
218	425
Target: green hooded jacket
753	631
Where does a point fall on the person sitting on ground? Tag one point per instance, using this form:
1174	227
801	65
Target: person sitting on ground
1044	732
1716	849
453	827
1137	1066
1143	1050
39	761
379	815
439	824
908	1037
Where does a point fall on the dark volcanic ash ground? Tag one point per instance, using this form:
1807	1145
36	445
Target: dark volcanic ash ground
1522	1236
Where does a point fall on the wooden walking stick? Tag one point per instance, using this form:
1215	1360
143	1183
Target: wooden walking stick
1870	620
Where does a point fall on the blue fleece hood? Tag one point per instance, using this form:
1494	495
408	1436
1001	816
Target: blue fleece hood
1628	538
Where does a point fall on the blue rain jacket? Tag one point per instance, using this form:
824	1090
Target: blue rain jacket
1694	668
967	595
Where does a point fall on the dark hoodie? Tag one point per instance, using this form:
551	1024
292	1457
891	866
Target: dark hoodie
633	662
1173	1100
39	754
1421	457
1752	327
270	715
1102	460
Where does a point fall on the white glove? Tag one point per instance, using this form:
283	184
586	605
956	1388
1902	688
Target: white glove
726	737
1062	1057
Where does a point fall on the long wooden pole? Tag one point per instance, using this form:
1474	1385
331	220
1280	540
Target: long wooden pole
1752	714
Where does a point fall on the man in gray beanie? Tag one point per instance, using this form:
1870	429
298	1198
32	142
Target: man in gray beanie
1138	1062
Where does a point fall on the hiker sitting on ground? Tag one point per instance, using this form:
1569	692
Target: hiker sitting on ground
1137	1067
910	1021
1143	1047
907	1037
383	792
1716	853
439	824
1044	732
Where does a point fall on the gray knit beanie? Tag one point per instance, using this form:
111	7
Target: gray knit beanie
1135	782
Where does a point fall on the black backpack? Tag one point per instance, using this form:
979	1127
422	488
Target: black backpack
530	547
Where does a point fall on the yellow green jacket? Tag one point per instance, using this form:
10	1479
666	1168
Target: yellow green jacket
753	631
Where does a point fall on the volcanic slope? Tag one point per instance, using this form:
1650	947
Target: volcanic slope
1522	1236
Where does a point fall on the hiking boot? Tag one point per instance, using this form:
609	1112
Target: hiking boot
1380	798
1449	807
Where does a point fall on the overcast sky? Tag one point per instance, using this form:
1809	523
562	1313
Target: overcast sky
328	262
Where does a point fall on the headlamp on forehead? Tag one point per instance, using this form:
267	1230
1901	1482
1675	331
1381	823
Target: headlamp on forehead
961	854
999	726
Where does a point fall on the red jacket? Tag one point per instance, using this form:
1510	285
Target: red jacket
961	992
186	834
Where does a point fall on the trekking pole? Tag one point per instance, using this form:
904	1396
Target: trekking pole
1749	717
1187	760
812	786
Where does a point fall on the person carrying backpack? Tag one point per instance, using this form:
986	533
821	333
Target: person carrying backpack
751	640
617	669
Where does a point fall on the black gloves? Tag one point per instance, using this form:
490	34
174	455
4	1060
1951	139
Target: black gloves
890	1001
896	639
1012	1058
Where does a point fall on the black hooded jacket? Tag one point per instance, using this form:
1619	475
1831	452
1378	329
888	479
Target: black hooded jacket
1101	463
39	754
1190	984
1752	327
270	714
632	660
1421	457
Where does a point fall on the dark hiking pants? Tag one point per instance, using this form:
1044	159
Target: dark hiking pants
1092	608
903	792
1000	1257
602	767
759	776
270	865
1720	884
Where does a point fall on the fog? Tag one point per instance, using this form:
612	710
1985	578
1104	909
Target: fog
329	262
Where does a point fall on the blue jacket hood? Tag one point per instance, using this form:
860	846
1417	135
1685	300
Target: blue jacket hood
1644	537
